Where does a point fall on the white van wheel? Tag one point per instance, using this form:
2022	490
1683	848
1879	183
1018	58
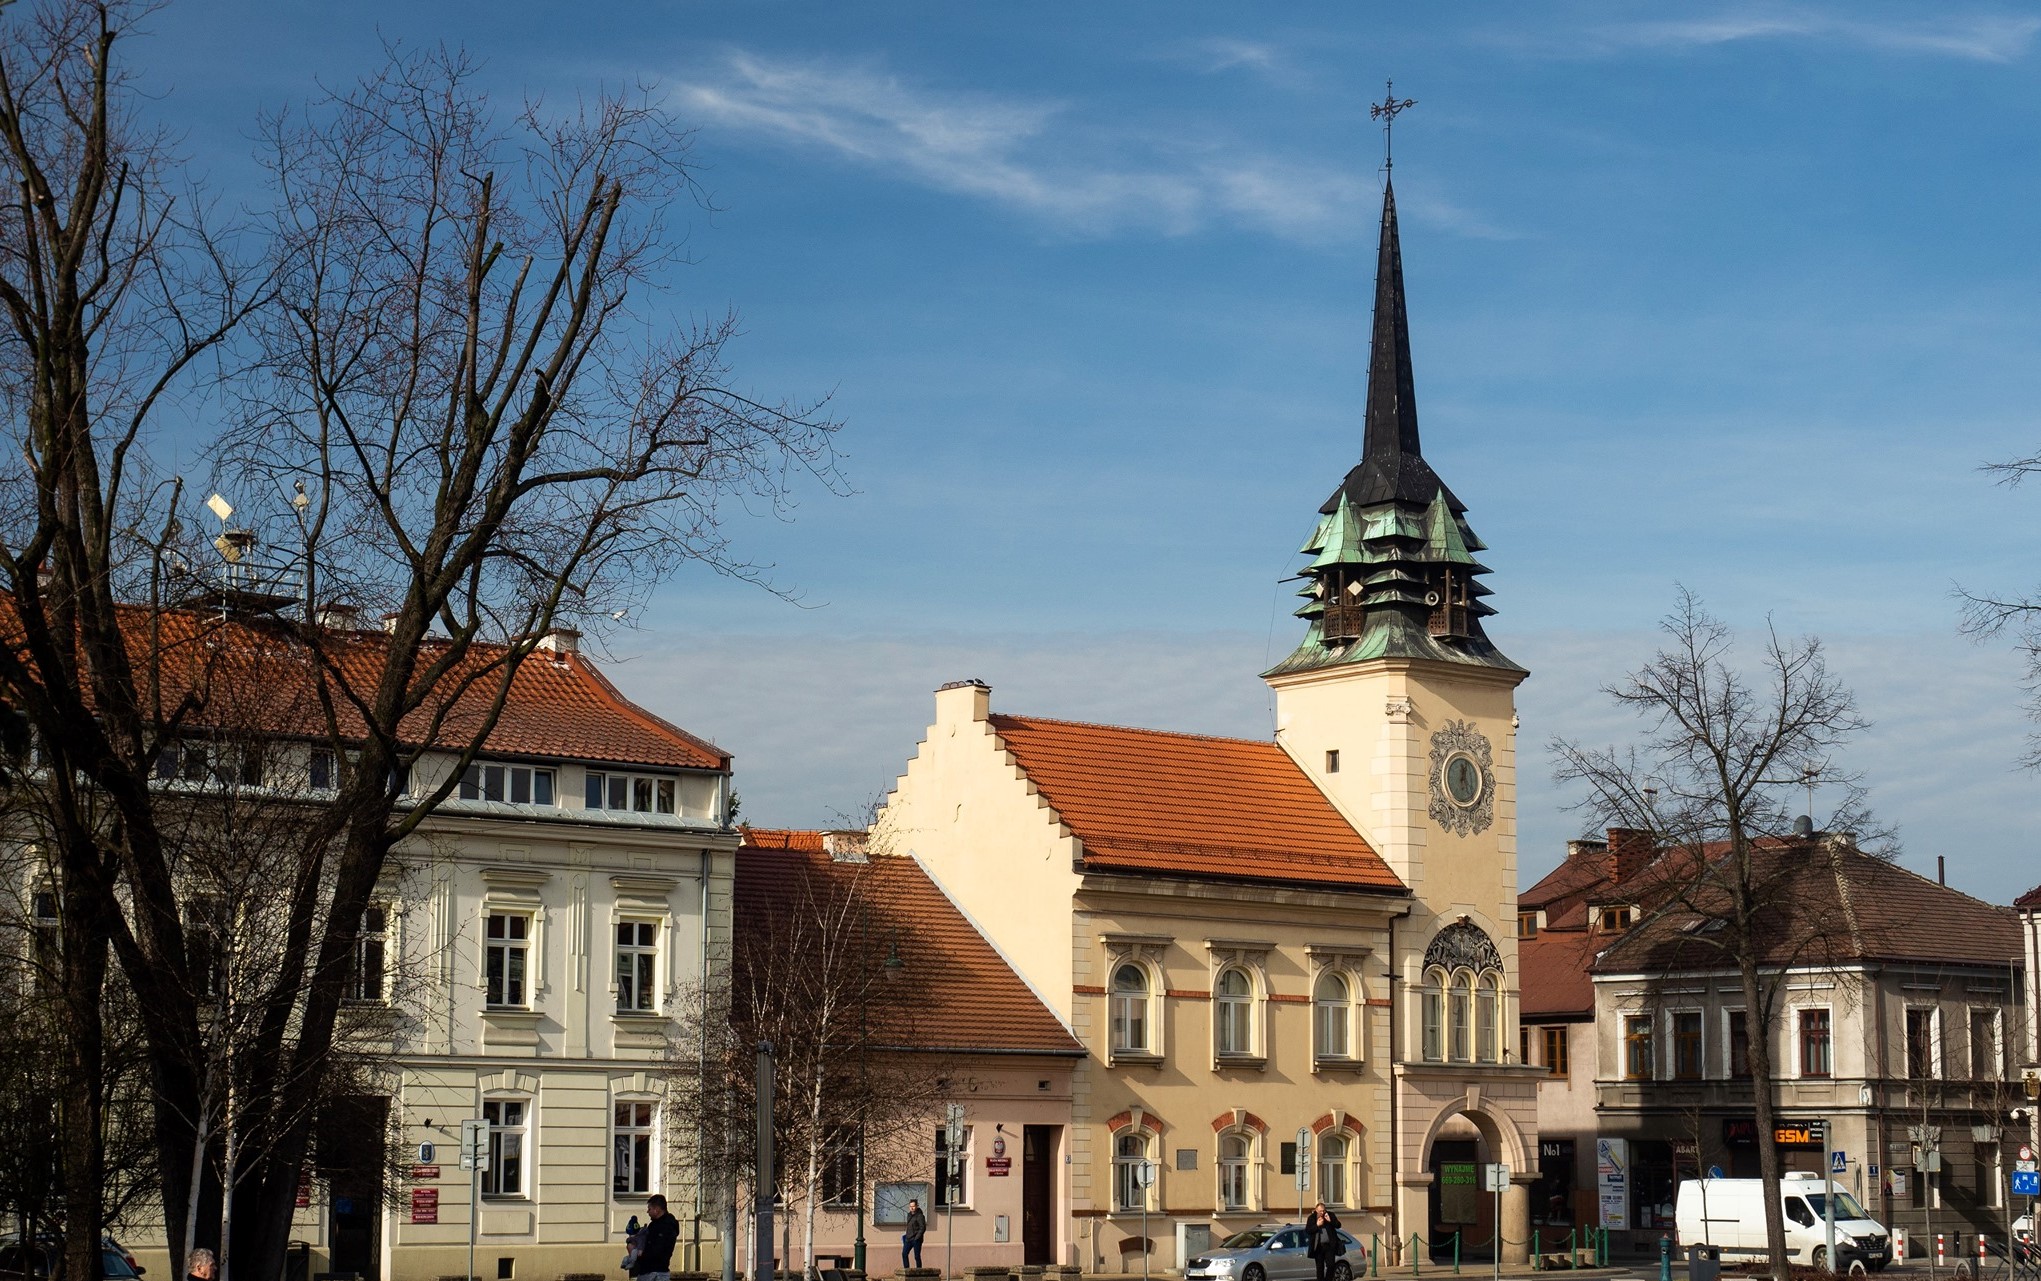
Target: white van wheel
1857	1268
1821	1257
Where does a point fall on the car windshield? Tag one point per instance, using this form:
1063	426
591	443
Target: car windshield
1249	1239
1846	1206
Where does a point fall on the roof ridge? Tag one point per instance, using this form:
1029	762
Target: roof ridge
1924	879
1134	729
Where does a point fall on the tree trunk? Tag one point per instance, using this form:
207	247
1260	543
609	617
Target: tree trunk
82	1094
1758	1027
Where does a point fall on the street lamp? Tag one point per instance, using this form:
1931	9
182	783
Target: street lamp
891	969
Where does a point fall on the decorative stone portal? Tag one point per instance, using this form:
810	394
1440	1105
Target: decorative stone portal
1449	1140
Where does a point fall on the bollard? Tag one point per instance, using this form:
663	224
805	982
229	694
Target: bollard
1665	1258
1374	1254
1414	1269
1980	1254
1941	1251
1456	1254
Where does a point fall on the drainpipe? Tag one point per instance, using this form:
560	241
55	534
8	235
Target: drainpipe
1395	1130
701	1072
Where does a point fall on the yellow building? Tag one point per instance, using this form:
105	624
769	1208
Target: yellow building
1285	953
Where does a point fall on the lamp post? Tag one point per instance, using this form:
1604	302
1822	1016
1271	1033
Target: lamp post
891	971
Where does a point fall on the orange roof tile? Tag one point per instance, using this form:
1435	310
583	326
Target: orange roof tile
967	998
1182	804
262	676
1552	974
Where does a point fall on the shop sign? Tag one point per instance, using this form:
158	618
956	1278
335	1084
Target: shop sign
999	1167
1612	1181
1798	1134
421	1173
425	1205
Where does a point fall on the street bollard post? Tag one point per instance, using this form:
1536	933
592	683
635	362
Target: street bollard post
1665	1258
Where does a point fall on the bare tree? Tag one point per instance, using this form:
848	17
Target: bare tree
1715	776
466	410
816	971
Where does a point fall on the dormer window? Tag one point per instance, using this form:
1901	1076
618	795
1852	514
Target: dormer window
634	793
517	784
1615	916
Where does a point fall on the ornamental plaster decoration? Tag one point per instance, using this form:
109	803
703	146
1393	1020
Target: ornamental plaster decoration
1399	710
1462	945
1459	740
1251	955
1142	949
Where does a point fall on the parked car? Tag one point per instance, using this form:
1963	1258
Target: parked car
44	1259
1275	1252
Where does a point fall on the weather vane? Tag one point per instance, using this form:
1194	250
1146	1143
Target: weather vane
1386	111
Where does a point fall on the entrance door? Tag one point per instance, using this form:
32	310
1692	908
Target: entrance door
350	1159
1038	1193
1455	1194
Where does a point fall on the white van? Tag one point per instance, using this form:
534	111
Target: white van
1730	1213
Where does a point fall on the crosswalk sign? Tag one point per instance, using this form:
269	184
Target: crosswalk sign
1838	1163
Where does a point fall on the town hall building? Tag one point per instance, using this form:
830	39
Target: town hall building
1291	962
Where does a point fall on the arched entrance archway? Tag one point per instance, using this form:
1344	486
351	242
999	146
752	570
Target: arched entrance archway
1463	1139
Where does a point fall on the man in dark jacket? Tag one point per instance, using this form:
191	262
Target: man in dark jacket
910	1240
656	1241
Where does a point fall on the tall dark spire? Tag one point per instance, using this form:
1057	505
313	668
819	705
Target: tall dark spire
1392	466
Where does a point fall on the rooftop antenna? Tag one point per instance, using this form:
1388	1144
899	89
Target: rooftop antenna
1386	111
1809	774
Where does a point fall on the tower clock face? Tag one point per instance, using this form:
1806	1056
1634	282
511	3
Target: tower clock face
1462	779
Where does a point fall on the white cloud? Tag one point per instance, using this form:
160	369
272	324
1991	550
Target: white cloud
1213	54
1979	38
1042	158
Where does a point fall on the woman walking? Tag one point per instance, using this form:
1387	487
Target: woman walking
1321	1234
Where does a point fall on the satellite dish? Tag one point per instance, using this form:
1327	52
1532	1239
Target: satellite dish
220	507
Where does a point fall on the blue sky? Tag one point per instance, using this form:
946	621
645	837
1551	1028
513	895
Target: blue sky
1738	296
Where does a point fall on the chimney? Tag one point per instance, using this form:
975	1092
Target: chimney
390	622
562	640
963	702
1585	847
339	616
1631	850
1941	869
845	847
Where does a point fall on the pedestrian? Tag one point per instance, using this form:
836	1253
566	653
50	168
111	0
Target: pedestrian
1321	1233
656	1241
910	1240
201	1265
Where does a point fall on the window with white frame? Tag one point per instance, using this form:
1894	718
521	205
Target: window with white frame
1487	1017
961	1198
637	967
1817	1041
1459	1016
840	1165
46	942
506	960
1923	1044
1986	1053
1236	1170
1332	1008
1689	1045
631	1141
631	793
1434	1006
1130	1013
1132	1149
1233	1012
503	1173
368	981
1335	1153
1640	1054
517	784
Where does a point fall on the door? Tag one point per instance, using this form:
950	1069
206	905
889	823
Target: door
1038	1193
350	1159
1288	1259
1455	1193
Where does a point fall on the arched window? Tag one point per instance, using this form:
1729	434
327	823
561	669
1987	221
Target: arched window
1333	1148
1434	1015
1459	1016
1236	1170
1130	1020
1463	992
1233	1012
1487	1012
1132	1149
1332	1023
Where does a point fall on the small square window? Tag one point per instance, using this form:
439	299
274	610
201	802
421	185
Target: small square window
592	793
1332	761
619	792
520	786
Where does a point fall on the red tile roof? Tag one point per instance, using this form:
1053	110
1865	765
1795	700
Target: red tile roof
263	676
966	997
2030	901
1552	974
1182	804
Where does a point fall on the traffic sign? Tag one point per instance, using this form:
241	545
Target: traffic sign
1498	1178
1838	1163
2026	1153
1303	1158
474	1141
2026	1183
1144	1174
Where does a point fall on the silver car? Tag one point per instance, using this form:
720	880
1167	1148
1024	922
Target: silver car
1273	1253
